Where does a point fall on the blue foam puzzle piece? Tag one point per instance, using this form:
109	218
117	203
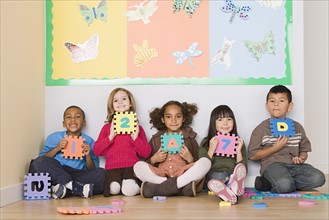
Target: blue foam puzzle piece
260	205
172	142
281	127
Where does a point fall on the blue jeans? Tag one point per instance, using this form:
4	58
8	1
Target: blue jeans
64	174
222	176
286	178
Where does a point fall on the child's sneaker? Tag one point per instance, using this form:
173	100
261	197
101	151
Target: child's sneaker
222	191
83	190
236	182
58	191
262	184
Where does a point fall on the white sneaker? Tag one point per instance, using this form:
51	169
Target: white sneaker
58	191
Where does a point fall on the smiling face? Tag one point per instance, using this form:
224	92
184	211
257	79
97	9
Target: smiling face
173	118
278	105
224	125
74	121
121	102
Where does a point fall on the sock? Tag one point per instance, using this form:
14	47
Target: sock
69	185
130	187
195	173
145	174
114	188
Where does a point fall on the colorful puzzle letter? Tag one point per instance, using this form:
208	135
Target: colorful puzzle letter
125	122
37	186
227	144
280	126
172	142
73	148
89	210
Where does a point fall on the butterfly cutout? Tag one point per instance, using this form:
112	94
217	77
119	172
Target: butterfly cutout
189	6
223	56
229	7
142	12
90	14
270	3
144	53
258	49
192	51
84	52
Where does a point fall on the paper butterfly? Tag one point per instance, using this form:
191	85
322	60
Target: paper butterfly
84	52
258	49
189	6
192	51
142	12
90	14
270	3
223	55
144	53
229	7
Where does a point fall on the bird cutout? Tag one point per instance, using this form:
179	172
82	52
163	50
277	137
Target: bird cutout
189	6
282	127
192	51
142	12
242	11
258	49
223	56
91	14
144	53
270	3
83	52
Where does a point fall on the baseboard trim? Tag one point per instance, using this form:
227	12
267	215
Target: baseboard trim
11	194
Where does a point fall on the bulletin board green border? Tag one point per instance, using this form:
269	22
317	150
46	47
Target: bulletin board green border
166	81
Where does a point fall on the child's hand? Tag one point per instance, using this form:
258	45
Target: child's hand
112	132
135	134
281	142
86	149
240	144
186	154
212	146
159	156
62	144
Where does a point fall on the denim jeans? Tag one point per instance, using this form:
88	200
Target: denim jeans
286	178
64	174
222	176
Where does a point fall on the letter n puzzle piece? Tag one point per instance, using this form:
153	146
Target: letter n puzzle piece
37	186
280	126
172	142
125	122
226	145
73	148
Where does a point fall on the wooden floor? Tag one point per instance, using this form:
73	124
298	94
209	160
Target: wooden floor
203	206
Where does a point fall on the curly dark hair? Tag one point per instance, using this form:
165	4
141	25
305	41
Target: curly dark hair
188	110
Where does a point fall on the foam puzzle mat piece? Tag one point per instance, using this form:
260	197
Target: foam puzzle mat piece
73	149
89	210
227	145
281	127
125	122
172	142
37	186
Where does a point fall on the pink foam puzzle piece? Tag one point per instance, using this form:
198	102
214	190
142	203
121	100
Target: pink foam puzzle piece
73	149
227	144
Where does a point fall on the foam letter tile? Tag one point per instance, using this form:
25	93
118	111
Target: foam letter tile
125	122
172	142
260	205
37	186
226	145
281	127
73	148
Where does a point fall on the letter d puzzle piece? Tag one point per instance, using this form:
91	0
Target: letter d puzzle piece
37	186
172	142
281	126
73	148
227	144
125	122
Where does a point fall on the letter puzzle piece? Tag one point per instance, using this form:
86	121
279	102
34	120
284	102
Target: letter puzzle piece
125	122
73	148
281	126
37	186
89	210
172	142
227	144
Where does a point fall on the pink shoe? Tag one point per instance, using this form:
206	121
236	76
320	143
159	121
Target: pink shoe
222	191
236	182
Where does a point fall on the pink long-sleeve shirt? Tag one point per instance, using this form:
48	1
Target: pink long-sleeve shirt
122	151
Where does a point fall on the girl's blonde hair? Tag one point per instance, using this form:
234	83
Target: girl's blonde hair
110	109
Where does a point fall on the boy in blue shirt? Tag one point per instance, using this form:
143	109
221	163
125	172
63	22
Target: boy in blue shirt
77	177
